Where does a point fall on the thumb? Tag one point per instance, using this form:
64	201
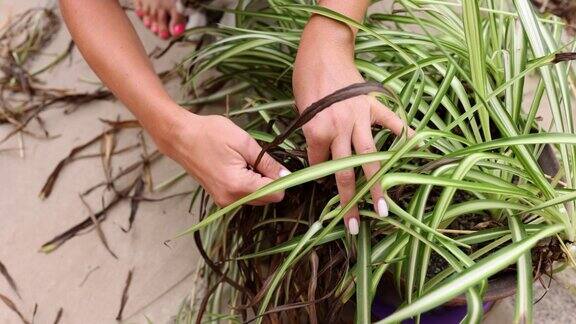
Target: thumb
253	181
267	166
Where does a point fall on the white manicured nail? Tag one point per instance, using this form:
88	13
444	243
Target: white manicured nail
382	207
353	226
283	173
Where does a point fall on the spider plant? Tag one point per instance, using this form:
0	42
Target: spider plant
460	73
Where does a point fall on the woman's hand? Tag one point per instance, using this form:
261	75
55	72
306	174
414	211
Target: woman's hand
212	149
217	153
324	64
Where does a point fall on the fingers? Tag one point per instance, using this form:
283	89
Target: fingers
239	183
253	182
177	23
364	144
318	140
267	166
346	182
386	118
268	171
318	153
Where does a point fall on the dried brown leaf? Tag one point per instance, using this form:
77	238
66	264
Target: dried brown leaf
108	144
314	261
59	315
124	299
131	168
13	307
96	222
50	182
8	277
135	203
62	238
90	272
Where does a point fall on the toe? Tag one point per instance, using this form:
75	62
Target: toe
163	31
154	21
138	8
177	23
147	21
146	9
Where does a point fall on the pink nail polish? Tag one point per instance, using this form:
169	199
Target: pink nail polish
177	30
353	226
154	28
146	22
139	13
164	34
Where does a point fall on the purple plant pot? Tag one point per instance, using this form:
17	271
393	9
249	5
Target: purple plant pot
440	315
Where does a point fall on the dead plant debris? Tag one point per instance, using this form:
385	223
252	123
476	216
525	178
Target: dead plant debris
96	222
135	203
23	94
51	181
88	274
9	279
124	299
8	302
59	315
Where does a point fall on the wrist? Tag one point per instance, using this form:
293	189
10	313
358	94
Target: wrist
168	124
324	42
326	33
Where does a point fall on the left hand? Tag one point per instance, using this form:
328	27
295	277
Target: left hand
324	64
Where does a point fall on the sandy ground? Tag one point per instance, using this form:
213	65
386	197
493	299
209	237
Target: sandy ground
162	275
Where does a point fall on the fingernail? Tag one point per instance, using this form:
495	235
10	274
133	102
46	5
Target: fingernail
139	13
154	28
353	226
177	30
283	173
146	21
382	207
164	34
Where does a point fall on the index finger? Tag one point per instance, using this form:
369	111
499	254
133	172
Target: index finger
386	118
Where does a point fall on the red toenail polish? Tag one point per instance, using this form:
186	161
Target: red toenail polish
164	34
139	13
146	21
154	28
178	29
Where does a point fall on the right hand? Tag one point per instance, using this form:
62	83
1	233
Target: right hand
217	153
345	125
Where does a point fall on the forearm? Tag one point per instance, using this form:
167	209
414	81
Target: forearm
330	32
328	40
108	42
353	9
327	43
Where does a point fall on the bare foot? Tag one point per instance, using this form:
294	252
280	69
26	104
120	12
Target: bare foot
161	17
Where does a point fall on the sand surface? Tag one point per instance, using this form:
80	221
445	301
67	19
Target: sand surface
161	274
